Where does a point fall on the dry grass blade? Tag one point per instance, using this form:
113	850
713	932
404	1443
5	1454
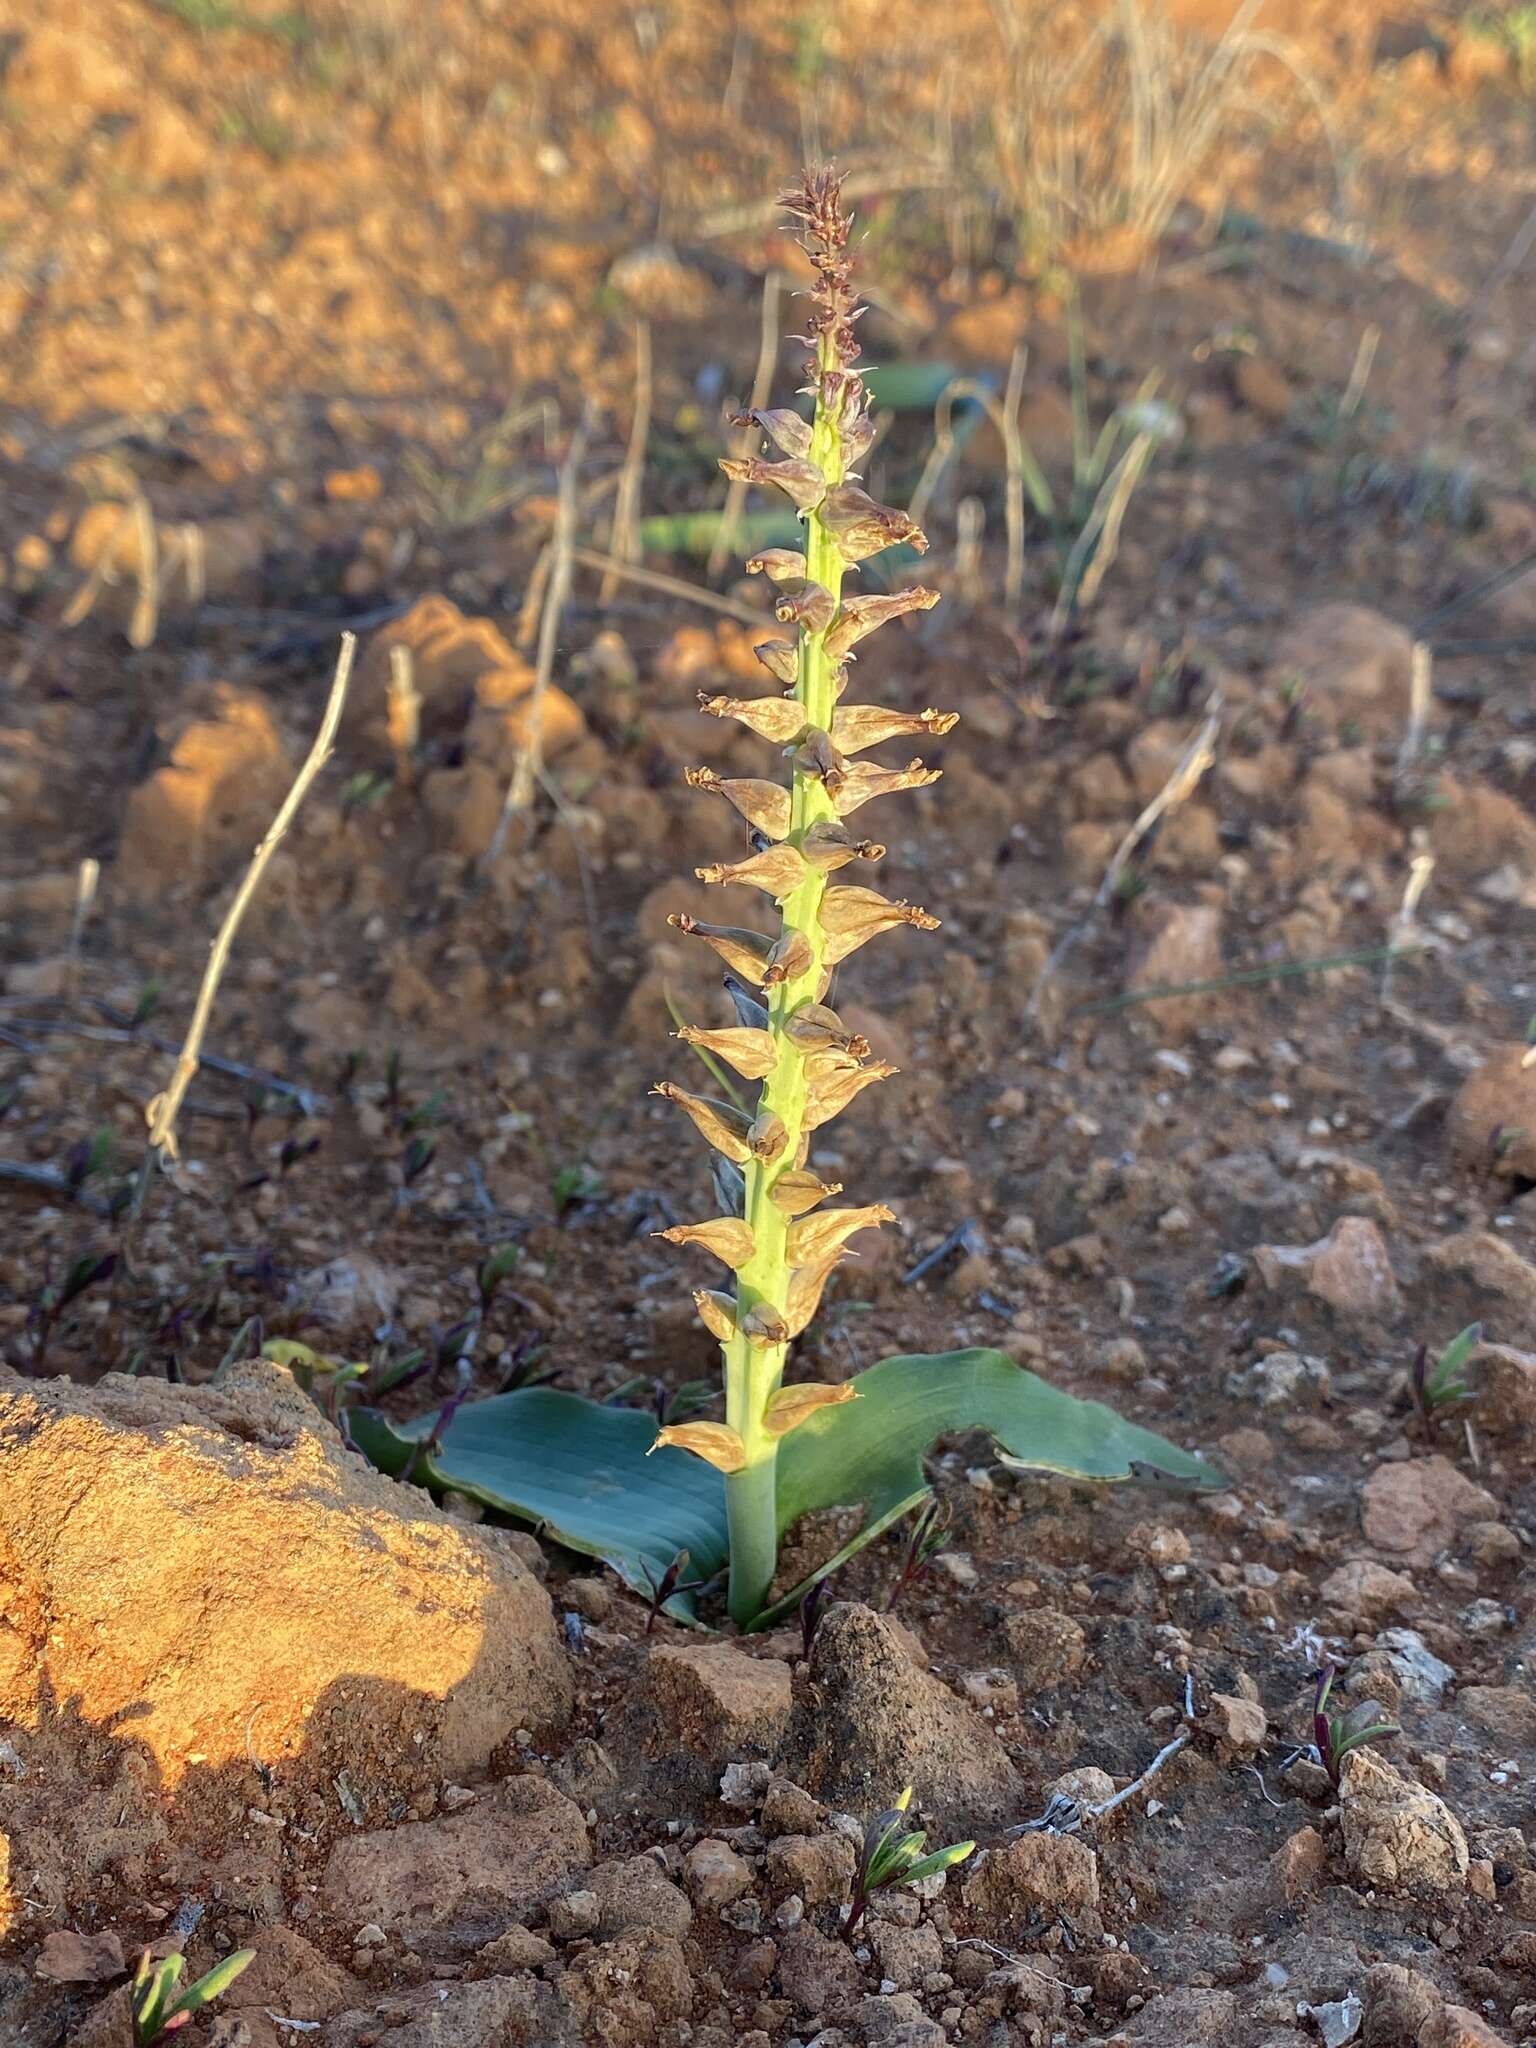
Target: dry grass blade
162	1112
1420	687
762	385
1192	766
669	586
530	756
625	545
1094	550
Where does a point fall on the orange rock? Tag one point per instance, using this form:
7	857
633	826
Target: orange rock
449	655
1491	1124
1351	662
224	781
497	736
358	486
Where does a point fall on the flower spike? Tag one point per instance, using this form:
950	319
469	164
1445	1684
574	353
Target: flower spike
772	1231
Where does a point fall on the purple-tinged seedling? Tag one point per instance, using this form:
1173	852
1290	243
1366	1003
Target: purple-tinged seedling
669	1582
892	1856
926	1538
811	1608
53	1300
1334	1735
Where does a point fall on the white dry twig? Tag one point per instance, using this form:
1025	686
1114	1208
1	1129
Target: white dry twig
530	755
162	1112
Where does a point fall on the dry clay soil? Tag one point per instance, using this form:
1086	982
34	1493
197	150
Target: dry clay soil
268	289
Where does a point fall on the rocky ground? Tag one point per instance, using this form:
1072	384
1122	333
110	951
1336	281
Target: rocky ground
300	310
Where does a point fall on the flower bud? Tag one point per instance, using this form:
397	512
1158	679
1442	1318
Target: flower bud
806	1286
765	1327
779	565
754	1054
857	726
829	845
712	1441
748	952
777	719
790	957
817	756
861	615
862	528
815	1028
791	1406
800	603
801	482
797	1192
831	1094
865	781
778	872
720	1124
762	804
767	1137
727	1237
814	1237
781	658
717	1312
788	431
851	917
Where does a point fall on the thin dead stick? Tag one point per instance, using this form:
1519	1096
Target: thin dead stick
85	898
625	546
530	755
1013	495
1365	356
1100	538
762	385
970	528
1180	786
162	1111
404	712
532	611
52	1182
672	586
145	622
1164	1756
103	572
1420	680
568	819
1404	927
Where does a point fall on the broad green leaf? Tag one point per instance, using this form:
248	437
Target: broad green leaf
940	1859
575	1469
581	1471
215	1981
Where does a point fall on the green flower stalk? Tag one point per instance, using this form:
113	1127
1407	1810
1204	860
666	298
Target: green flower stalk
773	1235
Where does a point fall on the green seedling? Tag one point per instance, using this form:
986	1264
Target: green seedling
575	1187
893	1856
159	2009
325	1380
416	1158
498	1264
1443	1387
52	1300
606	1480
88	1160
1334	1735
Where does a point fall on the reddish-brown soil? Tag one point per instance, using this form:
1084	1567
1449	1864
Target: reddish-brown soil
322	292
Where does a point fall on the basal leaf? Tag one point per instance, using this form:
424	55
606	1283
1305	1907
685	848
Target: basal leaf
582	1471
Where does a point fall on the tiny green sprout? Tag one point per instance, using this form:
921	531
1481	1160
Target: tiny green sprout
1444	1386
497	1265
90	1158
417	1157
1336	1734
892	1856
159	2010
427	1113
52	1300
148	1003
574	1186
